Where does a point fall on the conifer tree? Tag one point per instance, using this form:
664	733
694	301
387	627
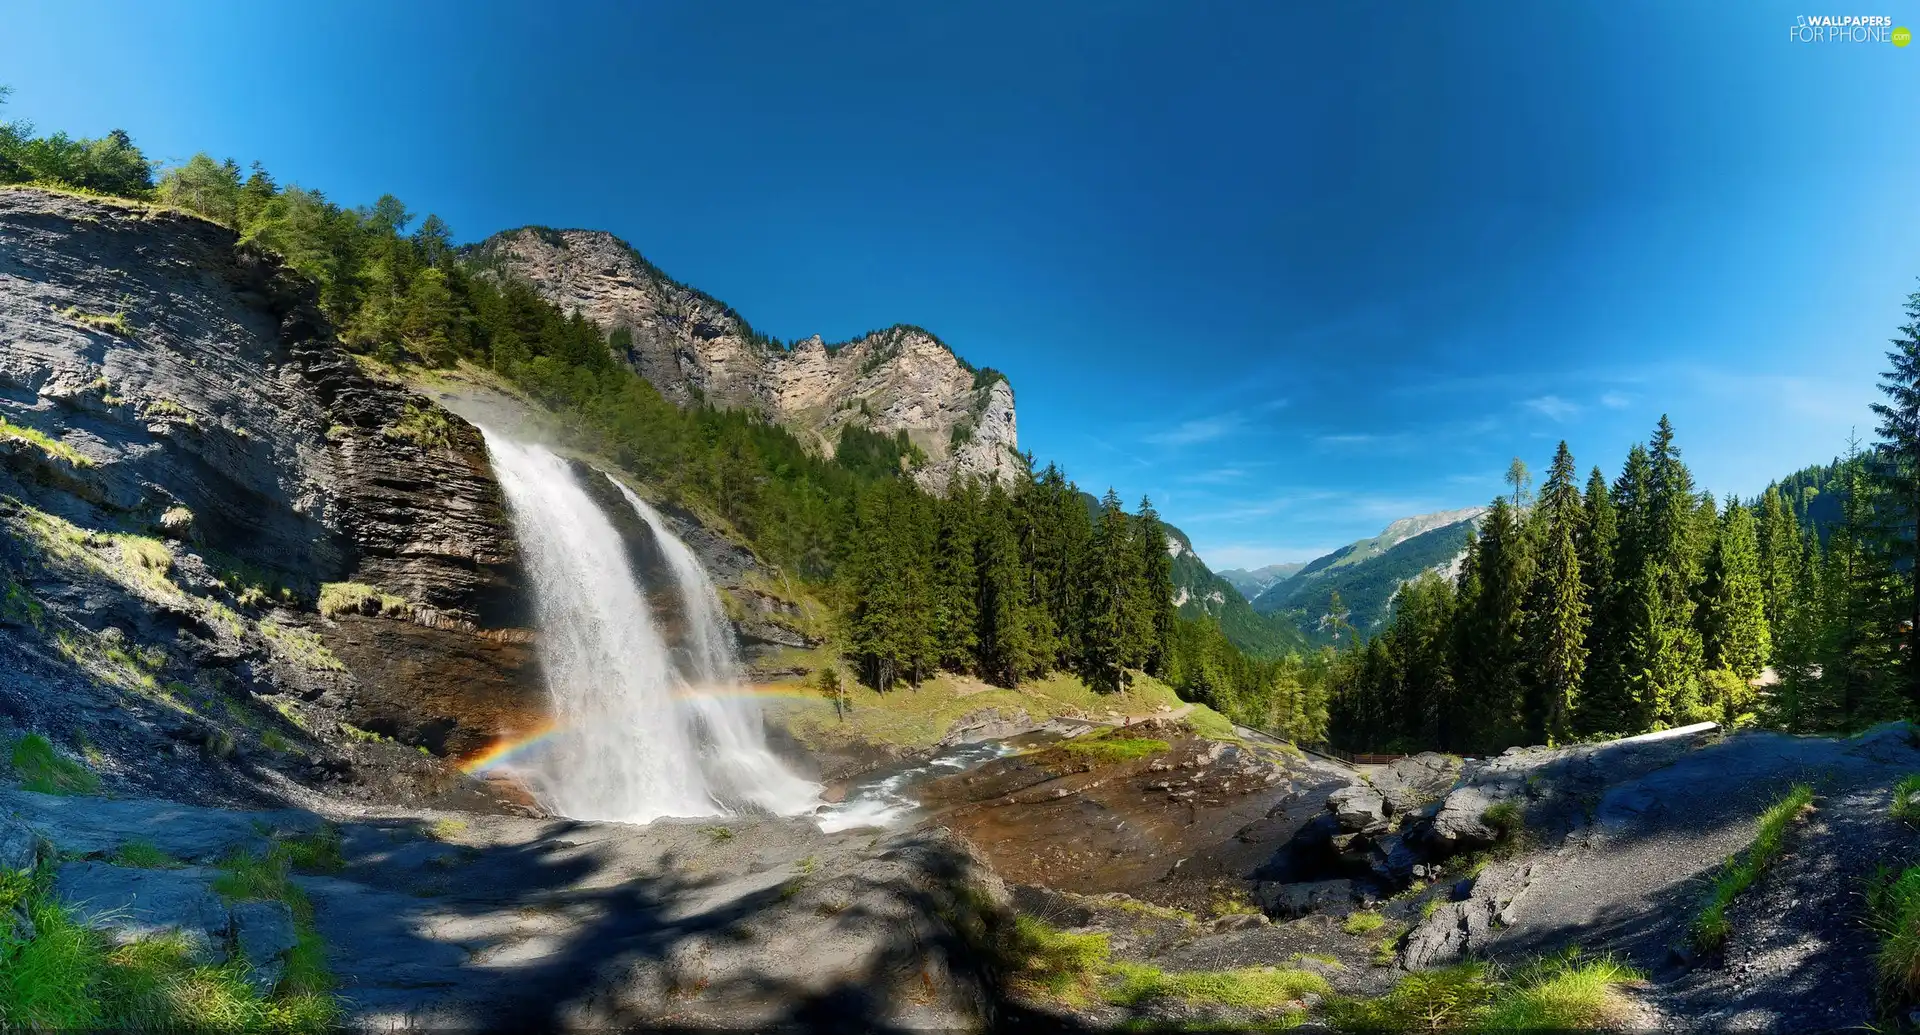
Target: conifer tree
1670	695
956	584
1491	654
1598	540
1557	616
1007	653
1855	650
1737	637
1898	472
1780	549
1157	611
1110	607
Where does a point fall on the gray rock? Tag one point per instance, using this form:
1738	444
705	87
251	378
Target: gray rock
131	904
264	934
1416	780
1393	860
20	846
191	833
1292	900
1359	808
1458	826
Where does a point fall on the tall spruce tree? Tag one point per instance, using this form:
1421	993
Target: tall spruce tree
956	584
1491	653
1780	548
1557	617
1111	605
1597	539
1006	649
1157	613
1856	649
1673	660
1737	637
1897	468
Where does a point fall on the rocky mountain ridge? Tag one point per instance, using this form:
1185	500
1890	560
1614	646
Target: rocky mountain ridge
694	348
1368	573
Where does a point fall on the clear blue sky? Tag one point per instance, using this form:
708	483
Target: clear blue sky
1293	269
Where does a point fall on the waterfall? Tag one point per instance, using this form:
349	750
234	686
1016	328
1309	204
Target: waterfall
735	741
636	739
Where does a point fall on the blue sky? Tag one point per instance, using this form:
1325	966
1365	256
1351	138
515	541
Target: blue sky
1294	270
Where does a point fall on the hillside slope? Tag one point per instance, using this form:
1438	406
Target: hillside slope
1368	573
694	348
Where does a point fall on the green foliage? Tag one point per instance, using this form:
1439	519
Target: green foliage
1053	963
1905	808
1710	928
41	768
422	424
69	976
1112	747
1564	992
45	443
338	598
1364	921
143	855
1260	988
1893	911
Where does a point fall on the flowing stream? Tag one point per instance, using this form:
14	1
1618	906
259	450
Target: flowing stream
637	737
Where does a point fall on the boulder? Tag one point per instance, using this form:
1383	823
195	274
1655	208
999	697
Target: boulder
1359	808
129	904
19	845
264	934
1393	861
1293	900
1458	825
1416	780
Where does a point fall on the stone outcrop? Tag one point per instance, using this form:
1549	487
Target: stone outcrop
696	349
160	380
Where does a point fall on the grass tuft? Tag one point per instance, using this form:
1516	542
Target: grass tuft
45	770
1364	921
1905	808
144	855
1257	988
338	598
1564	992
1710	928
44	442
1109	747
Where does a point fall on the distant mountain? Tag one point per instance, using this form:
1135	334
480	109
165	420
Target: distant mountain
1253	583
1198	592
1368	573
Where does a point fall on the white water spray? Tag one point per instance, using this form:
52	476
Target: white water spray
637	741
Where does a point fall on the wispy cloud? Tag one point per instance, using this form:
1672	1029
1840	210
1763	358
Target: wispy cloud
1217	476
1616	400
1202	429
1553	407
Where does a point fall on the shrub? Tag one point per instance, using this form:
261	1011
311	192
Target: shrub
1710	928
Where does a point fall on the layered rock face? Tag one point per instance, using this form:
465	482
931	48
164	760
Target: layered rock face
188	459
695	349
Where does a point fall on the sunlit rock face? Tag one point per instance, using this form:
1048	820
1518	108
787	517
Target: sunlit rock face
696	349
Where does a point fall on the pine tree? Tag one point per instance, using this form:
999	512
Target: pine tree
1557	615
1007	653
956	584
1737	637
1598	540
1780	551
1898	471
1110	607
1490	652
1855	649
1672	691
1157	611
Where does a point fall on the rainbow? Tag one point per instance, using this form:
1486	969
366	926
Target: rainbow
512	745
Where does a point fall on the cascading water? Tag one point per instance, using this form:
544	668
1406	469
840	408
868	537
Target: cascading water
735	741
636	739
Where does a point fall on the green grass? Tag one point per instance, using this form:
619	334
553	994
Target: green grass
1055	964
1905	808
68	977
45	770
1206	722
338	598
1710	928
422	424
447	829
115	322
1112	747
717	834
301	647
1893	911
1564	992
144	855
318	852
45	443
1260	988
1364	921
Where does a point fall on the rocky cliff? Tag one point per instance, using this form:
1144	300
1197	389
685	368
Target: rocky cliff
695	348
